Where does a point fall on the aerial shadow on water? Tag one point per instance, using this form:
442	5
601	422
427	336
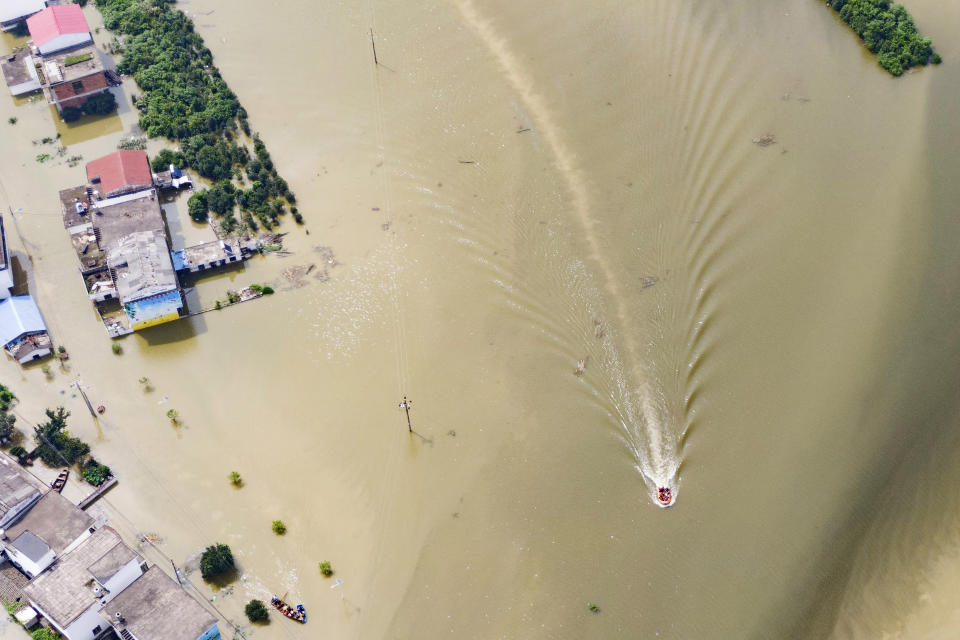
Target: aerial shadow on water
907	520
172	332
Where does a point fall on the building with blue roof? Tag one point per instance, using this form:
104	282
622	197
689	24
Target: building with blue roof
23	333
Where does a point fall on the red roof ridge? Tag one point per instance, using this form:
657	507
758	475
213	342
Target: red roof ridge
55	21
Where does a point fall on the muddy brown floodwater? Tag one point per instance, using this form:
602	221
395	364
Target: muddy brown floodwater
516	187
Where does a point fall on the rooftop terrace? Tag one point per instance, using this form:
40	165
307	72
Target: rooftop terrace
155	607
55	520
19	72
65	590
72	65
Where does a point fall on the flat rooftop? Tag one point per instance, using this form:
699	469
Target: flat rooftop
141	263
17	487
155	607
18	68
65	590
55	520
111	562
91	256
207	253
56	68
68	201
117	218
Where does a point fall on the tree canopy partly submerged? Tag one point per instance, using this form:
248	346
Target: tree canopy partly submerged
889	31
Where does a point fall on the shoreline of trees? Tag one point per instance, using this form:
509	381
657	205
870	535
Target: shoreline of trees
888	31
186	100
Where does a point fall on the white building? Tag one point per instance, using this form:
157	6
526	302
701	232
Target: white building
157	608
71	594
19	491
52	527
13	11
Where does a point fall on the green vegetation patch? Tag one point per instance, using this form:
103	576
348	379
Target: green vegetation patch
96	473
185	99
6	398
77	59
888	31
256	611
55	446
215	560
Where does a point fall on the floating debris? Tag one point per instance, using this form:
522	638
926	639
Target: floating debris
152	538
765	140
598	329
648	281
326	254
581	367
296	275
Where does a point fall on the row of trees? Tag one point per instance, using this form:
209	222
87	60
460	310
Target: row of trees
889	31
186	99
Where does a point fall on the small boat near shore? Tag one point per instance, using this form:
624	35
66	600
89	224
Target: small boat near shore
664	497
61	481
299	613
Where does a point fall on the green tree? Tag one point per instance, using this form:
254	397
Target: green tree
7	421
256	611
6	398
71	114
96	473
889	31
216	560
220	197
197	206
54	443
166	157
100	104
279	528
44	634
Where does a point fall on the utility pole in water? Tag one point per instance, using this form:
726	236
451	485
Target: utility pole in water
405	405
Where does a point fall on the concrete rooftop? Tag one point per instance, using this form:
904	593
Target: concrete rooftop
65	590
155	607
55	520
56	69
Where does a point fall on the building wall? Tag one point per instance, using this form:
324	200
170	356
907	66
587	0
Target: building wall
64	94
64	42
76	543
151	322
124	577
83	627
27	565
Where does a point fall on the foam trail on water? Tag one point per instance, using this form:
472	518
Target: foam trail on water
643	433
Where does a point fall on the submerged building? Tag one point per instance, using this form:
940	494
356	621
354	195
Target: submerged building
118	231
61	60
23	333
124	258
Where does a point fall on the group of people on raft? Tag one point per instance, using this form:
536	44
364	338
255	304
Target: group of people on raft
299	614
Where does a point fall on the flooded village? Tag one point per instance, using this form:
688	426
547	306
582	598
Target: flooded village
64	567
590	250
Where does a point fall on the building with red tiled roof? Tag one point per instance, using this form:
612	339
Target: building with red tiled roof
121	172
59	28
